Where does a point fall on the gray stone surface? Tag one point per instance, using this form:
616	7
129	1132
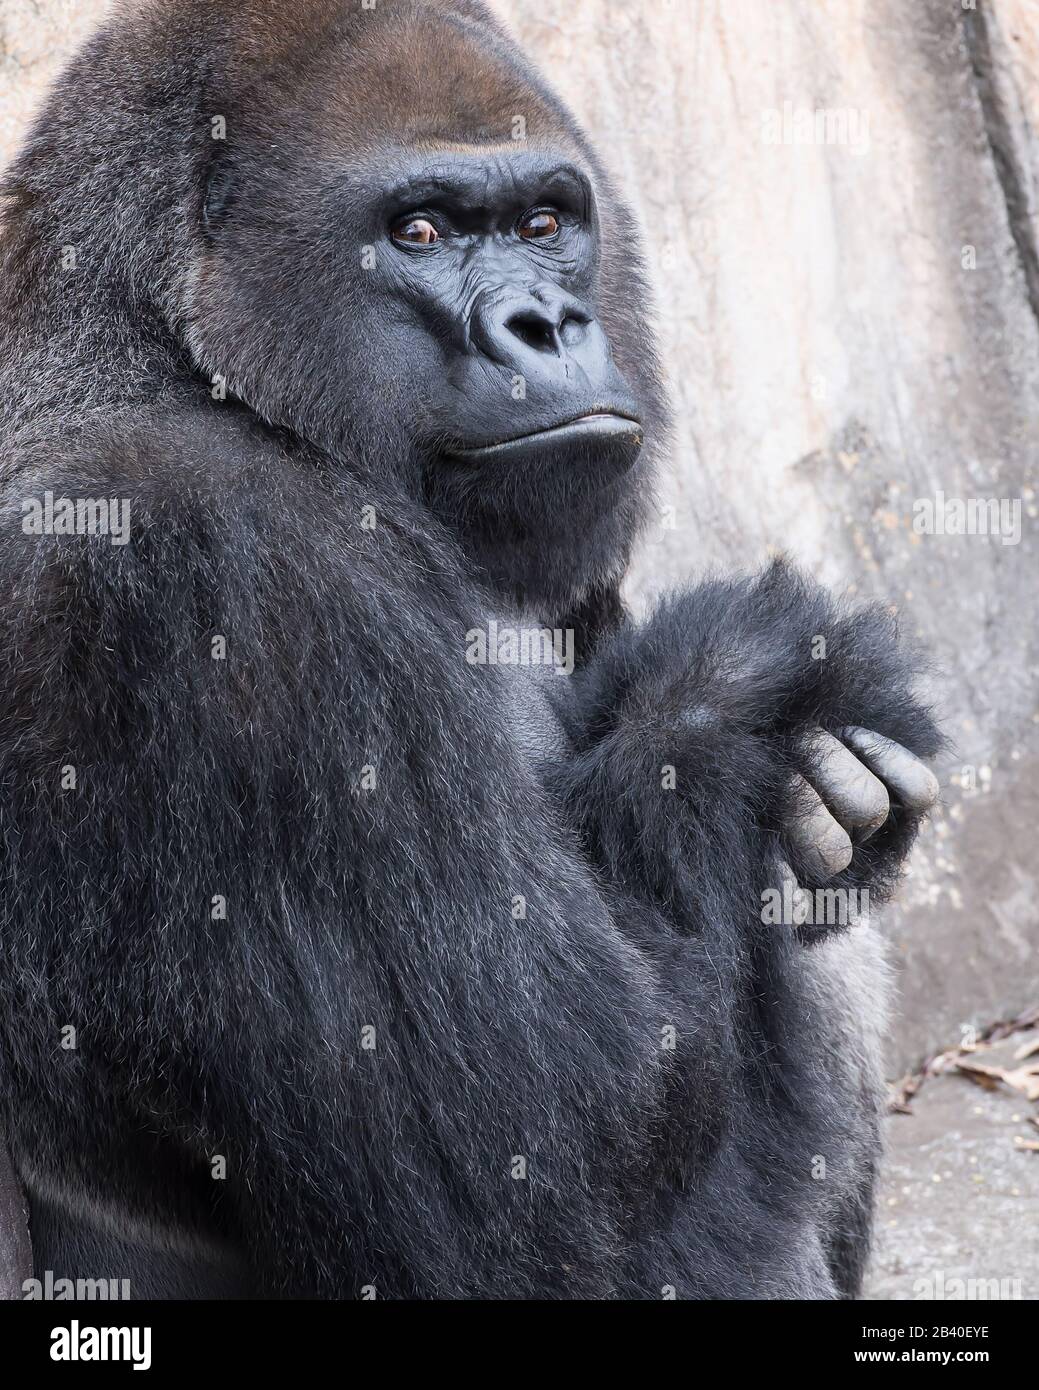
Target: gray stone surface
958	1199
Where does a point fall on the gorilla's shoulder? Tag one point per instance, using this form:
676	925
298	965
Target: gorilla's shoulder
139	543
193	481
162	460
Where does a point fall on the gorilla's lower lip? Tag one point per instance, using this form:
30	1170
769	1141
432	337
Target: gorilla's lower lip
600	425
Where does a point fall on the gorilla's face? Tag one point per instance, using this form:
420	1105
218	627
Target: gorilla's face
401	258
490	273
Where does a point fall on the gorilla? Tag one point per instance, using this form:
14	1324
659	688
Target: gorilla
351	944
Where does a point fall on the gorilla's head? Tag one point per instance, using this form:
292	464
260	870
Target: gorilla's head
384	234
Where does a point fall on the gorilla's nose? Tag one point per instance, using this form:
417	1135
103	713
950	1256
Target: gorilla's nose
548	321
521	330
548	342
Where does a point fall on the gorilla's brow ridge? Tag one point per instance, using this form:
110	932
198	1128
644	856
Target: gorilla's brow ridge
465	184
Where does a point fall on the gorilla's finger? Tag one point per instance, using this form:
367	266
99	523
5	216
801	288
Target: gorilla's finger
787	875
905	776
849	789
800	898
820	840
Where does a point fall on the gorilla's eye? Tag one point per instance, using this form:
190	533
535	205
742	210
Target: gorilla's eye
538	224
415	231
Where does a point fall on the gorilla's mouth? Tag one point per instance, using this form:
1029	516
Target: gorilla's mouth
598	427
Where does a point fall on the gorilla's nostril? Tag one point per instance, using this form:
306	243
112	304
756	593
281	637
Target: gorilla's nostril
536	330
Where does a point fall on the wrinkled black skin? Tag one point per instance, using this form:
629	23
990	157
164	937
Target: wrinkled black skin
504	305
648	1167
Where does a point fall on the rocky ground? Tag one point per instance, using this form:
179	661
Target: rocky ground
960	1195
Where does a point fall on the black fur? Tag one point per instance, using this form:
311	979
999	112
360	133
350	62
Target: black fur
352	905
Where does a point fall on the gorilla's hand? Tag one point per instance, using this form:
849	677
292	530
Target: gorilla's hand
749	721
846	795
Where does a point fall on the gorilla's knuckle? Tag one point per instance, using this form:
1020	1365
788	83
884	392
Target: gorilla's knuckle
874	803
837	852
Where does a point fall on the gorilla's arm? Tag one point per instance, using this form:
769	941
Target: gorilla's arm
264	833
734	708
